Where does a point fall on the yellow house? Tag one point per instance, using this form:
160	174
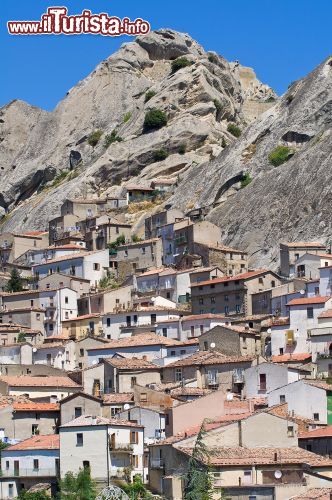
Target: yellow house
82	326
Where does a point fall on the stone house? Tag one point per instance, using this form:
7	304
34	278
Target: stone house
291	252
317	440
84	207
60	280
325	281
81	346
41	255
154	222
22	420
153	421
192	325
309	264
107	446
212	370
231	340
231	295
115	402
65	229
16	354
168	283
138	257
12	245
106	301
32	318
9	333
139	193
39	388
78	404
28	463
274	300
119	375
321	344
82	326
58	354
105	231
231	261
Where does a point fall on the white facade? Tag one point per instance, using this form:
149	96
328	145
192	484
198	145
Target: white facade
19	354
325	281
189	326
60	304
57	356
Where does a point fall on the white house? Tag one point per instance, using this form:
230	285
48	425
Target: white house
169	283
42	255
107	446
325	280
189	326
34	460
264	377
60	304
57	354
309	264
16	354
87	265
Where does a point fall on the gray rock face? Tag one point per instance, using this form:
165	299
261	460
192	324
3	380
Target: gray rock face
290	202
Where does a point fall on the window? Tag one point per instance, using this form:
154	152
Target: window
281	350
182	351
297	256
225	284
31	303
96	266
79	439
213	300
192	331
153	319
178	374
262	382
35	464
164	332
273	283
38	316
205	345
143	397
201	301
212	286
133	437
37	416
34	429
310	312
143	250
78	411
7	464
11	490
238	308
226	309
86	464
226	298
172	353
260	280
282	398
108	321
201	329
133	381
81	352
290	431
316	416
126	253
134	461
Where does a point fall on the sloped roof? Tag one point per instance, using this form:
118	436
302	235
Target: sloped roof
32	406
47	442
30	381
209	358
286	358
87	420
132	364
308	300
120	397
314	494
238	277
320	432
141	339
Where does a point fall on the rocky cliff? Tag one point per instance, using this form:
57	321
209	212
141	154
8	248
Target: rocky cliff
48	156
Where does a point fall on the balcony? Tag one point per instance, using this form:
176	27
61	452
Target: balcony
181	240
157	463
122	447
28	473
327	330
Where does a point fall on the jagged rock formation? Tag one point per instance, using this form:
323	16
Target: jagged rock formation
289	202
200	100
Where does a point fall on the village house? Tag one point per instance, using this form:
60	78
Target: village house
325	281
119	374
32	461
87	265
78	404
321	344
64	230
212	370
55	304
163	185
11	332
106	446
231	340
12	245
189	326
231	295
16	354
60	280
153	421
307	398
231	261
309	264
168	283
274	300
264	377
116	402
137	257
145	346
82	326
144	319
42	255
303	317
22	420
106	301
154	222
291	252
101	231
58	354
46	388
81	346
317	440
32	317
139	193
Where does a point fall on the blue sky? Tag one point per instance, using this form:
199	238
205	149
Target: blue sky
281	39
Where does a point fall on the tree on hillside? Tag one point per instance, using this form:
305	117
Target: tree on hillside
78	486
15	282
198	479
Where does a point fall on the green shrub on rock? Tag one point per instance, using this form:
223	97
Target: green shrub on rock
280	155
154	119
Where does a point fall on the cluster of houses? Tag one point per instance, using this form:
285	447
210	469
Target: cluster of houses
119	350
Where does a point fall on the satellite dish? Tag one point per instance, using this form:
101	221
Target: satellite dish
34	349
94	362
278	474
126	406
302	292
268	330
212	345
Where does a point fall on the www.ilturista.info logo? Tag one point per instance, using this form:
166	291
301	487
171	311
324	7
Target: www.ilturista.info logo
56	21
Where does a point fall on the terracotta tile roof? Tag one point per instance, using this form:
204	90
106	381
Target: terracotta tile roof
325	255
189	391
121	397
314	494
132	364
134	187
79	318
238	277
278	321
209	358
34	233
32	406
30	381
224	248
141	339
52	338
11	310
262	456
305	244
319	383
69	246
286	358
34	292
326	314
51	345
308	300
320	432
193	317
153	271
48	442
87	420
138	243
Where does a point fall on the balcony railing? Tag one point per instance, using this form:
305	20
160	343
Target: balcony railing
156	463
21	472
122	447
